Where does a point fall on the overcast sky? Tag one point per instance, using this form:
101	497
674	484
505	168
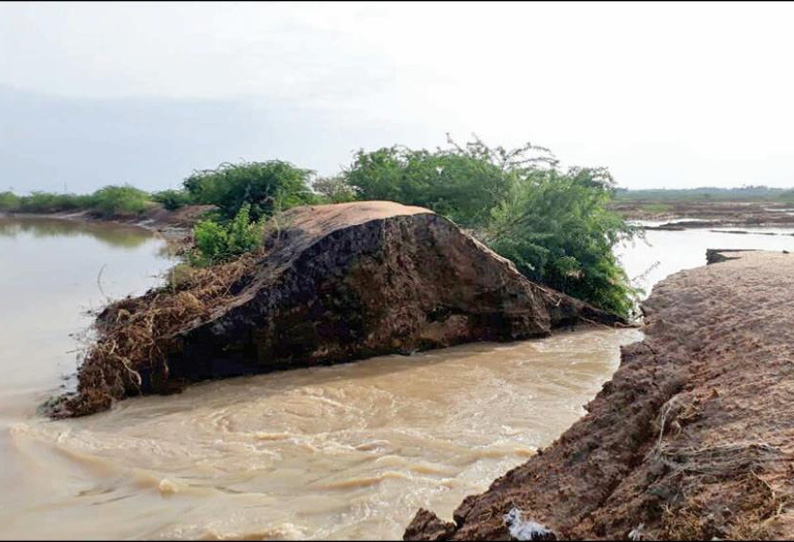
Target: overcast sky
665	95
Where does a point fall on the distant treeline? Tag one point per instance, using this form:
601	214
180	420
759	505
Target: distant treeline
556	225
109	202
745	193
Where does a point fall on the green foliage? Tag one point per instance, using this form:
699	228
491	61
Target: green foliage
463	183
259	184
113	201
172	199
334	189
45	202
558	229
742	194
110	201
9	202
217	242
556	226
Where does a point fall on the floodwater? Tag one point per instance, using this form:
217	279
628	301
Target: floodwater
665	252
349	451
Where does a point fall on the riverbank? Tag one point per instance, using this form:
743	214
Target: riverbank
174	226
692	437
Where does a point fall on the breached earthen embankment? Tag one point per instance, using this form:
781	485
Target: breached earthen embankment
693	438
334	283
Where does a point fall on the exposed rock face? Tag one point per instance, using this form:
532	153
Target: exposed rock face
691	439
354	280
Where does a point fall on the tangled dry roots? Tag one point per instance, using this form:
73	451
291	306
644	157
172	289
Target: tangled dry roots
134	335
703	516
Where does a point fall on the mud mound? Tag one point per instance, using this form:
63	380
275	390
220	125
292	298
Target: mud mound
691	439
334	283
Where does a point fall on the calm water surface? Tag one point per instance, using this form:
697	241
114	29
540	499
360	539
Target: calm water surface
666	252
349	451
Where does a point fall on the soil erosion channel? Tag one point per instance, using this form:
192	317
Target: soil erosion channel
691	439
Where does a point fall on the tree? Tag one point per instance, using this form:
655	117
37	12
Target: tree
461	182
334	189
120	201
558	229
556	226
263	185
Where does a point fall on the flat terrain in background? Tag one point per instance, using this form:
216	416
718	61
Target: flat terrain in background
739	207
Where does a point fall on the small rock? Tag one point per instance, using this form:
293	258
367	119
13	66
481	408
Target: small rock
521	529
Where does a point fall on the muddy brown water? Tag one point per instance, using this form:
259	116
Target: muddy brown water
349	451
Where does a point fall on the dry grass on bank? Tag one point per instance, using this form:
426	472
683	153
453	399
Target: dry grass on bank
135	334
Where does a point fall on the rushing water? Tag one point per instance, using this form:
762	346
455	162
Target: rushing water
349	451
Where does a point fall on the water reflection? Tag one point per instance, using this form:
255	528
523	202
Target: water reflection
115	235
51	272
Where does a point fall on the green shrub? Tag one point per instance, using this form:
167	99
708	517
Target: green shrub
556	226
454	184
46	202
112	201
334	189
259	184
217	242
172	199
9	202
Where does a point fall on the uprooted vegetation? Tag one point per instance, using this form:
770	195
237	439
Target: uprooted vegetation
136	334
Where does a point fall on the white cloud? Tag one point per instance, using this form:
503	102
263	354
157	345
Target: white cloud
663	94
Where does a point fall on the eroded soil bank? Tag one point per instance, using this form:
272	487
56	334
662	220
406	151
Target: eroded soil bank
333	283
691	439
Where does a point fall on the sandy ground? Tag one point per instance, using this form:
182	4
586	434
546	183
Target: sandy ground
692	439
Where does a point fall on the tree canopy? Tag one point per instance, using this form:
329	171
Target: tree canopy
259	184
555	225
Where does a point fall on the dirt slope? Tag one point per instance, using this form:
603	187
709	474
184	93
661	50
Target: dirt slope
334	283
355	280
693	438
